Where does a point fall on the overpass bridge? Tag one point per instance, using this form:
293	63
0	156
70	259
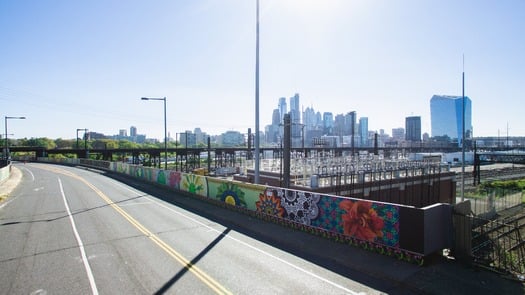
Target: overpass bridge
495	157
188	159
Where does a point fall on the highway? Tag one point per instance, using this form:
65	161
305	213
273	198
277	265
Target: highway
68	230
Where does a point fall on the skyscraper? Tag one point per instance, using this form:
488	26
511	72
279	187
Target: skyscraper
309	118
328	123
295	118
446	117
413	128
283	109
363	131
133	131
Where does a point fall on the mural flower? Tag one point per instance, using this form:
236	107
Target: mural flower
361	220
174	179
161	177
193	183
270	204
139	173
231	194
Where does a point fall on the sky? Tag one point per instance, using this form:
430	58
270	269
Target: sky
67	65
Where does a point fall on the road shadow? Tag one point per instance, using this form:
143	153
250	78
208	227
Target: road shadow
383	273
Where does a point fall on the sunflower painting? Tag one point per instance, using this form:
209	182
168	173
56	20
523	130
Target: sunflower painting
231	194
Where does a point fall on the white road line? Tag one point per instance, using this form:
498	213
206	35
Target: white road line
79	241
248	245
31	173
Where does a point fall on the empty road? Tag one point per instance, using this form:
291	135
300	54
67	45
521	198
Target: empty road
68	230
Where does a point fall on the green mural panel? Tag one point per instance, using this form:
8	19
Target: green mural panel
234	193
195	184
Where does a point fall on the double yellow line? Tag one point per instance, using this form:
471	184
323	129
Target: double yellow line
212	283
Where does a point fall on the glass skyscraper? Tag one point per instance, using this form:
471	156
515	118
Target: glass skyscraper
413	128
446	113
363	131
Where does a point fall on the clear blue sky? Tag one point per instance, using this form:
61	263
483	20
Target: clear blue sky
85	64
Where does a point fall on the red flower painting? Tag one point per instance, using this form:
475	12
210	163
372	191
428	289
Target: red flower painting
361	220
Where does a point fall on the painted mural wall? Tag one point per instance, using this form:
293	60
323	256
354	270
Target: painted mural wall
389	229
355	218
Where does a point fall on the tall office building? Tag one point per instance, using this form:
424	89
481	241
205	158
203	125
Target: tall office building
276	117
283	109
133	131
350	124
328	123
446	117
295	118
398	133
413	128
363	131
309	118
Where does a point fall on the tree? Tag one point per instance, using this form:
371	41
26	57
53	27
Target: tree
41	142
64	143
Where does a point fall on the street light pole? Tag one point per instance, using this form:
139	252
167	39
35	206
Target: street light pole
256	167
165	130
6	140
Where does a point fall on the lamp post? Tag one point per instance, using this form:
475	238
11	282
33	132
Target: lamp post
256	168
165	129
6	140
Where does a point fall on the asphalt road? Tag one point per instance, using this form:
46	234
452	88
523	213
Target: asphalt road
67	230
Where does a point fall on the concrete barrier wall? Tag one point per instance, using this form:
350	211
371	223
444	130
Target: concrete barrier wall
407	232
5	172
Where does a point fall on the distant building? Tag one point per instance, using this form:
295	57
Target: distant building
309	118
398	134
201	138
232	139
272	131
188	139
413	128
283	109
123	132
446	116
363	131
133	131
295	119
328	123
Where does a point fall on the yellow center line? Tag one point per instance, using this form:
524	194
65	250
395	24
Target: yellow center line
212	283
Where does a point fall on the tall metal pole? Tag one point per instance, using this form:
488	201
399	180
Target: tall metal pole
165	131
85	142
256	168
463	136
165	138
6	142
6	139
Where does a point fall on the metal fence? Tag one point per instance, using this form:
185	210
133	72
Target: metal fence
497	245
495	201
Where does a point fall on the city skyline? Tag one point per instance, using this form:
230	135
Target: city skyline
69	65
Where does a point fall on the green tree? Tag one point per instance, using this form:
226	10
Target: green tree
41	142
126	144
64	143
